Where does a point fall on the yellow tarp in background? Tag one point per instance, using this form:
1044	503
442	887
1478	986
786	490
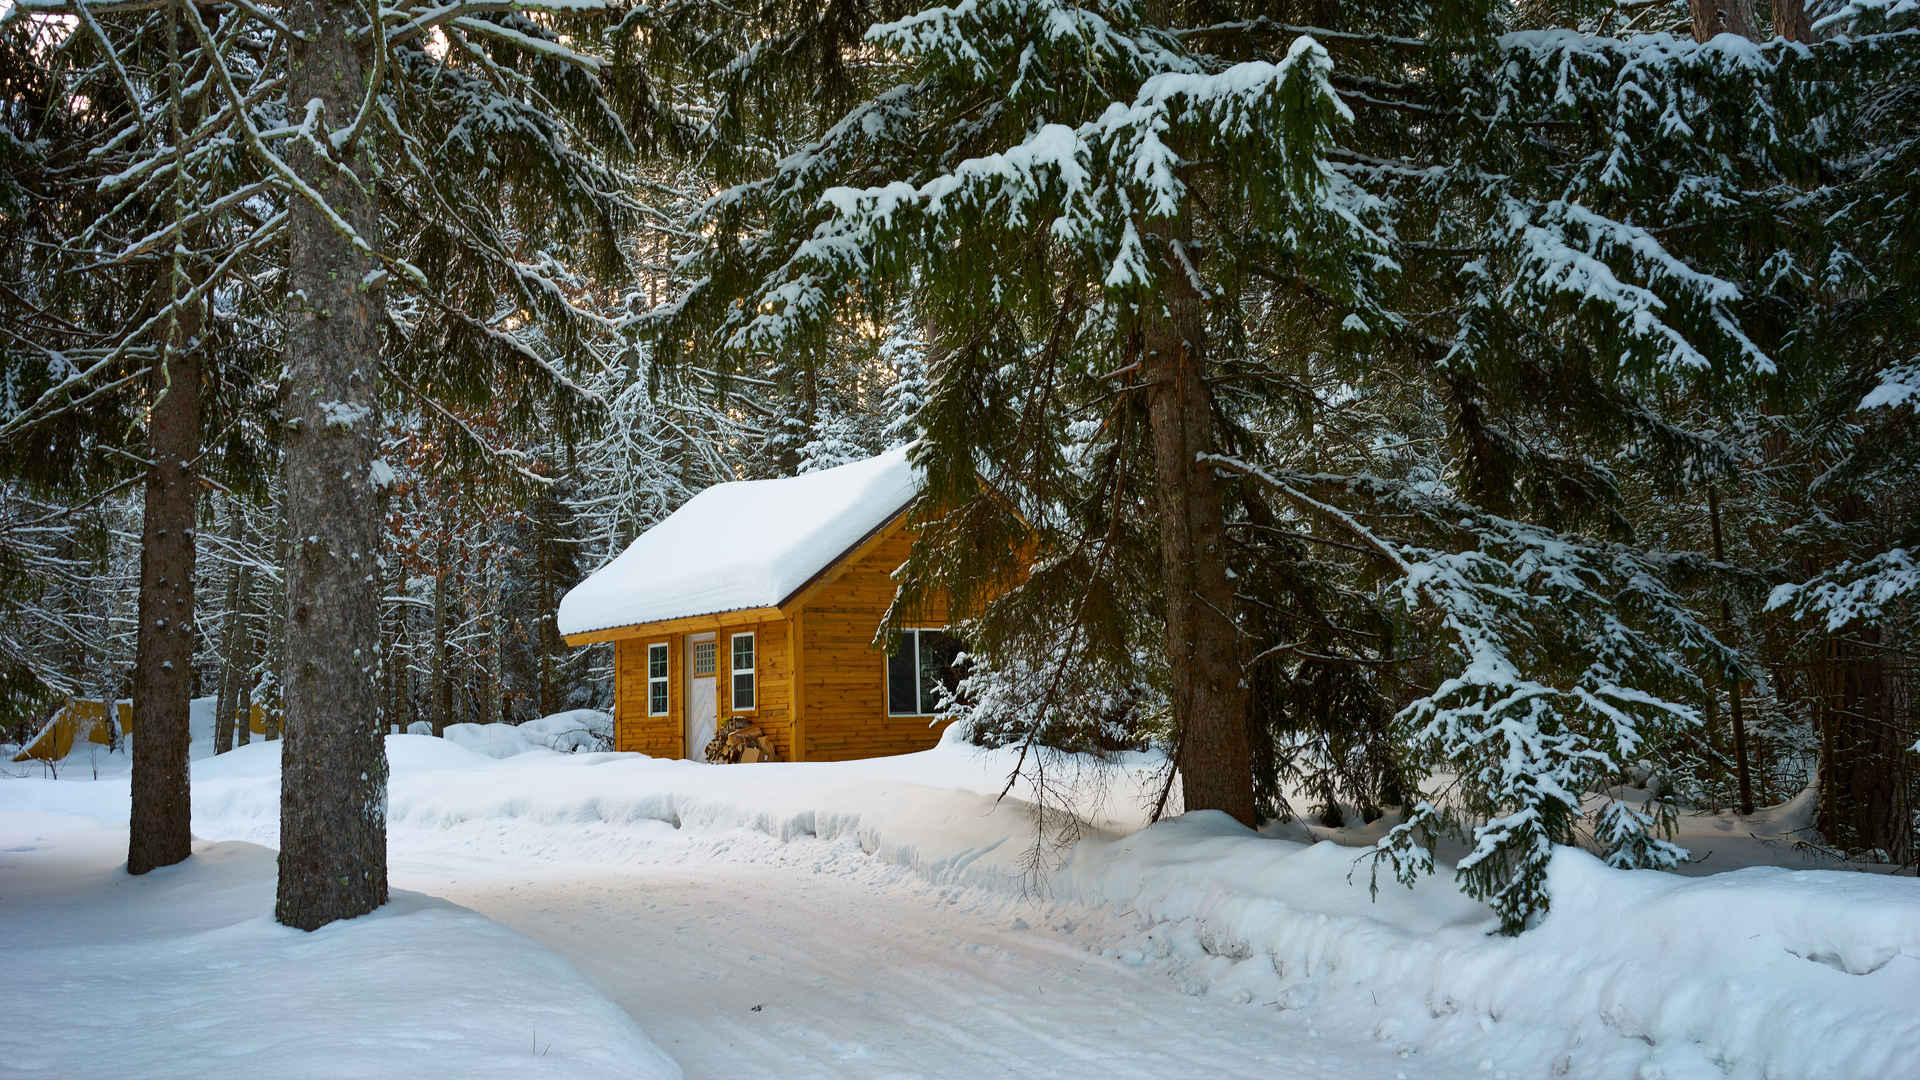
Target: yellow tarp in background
55	740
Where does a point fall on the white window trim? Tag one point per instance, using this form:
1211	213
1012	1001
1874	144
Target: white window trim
665	681
735	672
886	685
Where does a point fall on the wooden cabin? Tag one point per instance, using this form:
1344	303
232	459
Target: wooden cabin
761	600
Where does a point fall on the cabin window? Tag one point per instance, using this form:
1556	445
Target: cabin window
927	661
742	672
703	657
657	679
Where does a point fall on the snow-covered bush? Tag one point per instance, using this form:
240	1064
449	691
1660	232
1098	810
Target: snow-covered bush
1033	700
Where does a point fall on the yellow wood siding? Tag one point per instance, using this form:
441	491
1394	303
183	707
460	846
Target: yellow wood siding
772	681
665	736
634	731
843	678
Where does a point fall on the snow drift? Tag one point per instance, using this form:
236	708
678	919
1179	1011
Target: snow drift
1754	973
182	972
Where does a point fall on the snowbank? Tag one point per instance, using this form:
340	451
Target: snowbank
183	973
571	731
1756	973
741	545
565	732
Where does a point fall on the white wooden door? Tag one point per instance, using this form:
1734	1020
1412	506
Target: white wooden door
701	715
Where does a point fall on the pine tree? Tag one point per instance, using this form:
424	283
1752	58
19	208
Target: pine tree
387	239
1159	257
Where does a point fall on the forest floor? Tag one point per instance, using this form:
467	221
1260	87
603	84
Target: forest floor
889	919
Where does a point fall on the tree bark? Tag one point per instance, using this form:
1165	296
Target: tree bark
243	693
1711	18
333	827
1203	643
226	705
1865	774
546	637
1742	774
1790	20
442	690
395	696
496	700
161	815
223	697
273	662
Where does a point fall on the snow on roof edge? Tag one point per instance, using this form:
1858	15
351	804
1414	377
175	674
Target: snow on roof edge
781	602
742	545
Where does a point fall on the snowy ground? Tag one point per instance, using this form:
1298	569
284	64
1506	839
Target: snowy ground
183	973
750	957
877	919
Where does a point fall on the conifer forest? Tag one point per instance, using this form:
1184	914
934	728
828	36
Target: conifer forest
1388	533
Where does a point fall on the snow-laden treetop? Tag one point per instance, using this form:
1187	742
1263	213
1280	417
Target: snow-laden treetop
742	545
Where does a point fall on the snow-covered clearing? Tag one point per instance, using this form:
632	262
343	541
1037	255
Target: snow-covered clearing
881	918
183	973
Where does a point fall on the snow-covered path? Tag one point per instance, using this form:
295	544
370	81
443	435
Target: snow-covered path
805	963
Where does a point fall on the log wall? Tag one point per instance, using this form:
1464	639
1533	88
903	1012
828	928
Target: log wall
843	682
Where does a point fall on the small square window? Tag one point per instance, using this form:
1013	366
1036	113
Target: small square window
703	657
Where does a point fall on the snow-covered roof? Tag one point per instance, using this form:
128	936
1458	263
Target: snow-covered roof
741	545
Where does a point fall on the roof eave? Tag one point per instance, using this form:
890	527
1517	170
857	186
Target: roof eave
682	624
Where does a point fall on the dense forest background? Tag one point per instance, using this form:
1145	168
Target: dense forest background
1518	393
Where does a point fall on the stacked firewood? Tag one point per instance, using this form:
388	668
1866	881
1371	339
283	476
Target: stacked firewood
740	740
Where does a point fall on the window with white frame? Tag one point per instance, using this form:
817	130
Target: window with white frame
743	687
657	679
927	661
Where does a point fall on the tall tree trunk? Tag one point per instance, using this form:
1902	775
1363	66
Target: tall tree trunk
273	661
223	696
159	826
394	697
243	678
333	826
1203	644
243	665
1866	778
110	697
1742	774
442	690
226	703
1711	18
546	633
496	700
1790	20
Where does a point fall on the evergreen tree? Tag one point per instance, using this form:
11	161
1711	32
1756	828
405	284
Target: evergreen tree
193	122
1159	258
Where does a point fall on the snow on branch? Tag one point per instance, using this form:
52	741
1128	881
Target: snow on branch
1091	187
1566	252
1899	385
980	35
1559	650
1852	593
